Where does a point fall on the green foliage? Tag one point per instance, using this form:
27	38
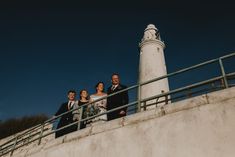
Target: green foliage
13	126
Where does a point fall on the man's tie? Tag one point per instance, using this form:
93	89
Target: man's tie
113	87
70	105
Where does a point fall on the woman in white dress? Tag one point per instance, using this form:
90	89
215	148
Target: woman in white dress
100	106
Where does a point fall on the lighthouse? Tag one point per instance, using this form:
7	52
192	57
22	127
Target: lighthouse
152	65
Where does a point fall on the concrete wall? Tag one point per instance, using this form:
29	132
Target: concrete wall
202	126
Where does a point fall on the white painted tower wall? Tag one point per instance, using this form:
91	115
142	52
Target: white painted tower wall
152	64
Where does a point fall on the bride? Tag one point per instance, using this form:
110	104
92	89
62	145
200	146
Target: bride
100	106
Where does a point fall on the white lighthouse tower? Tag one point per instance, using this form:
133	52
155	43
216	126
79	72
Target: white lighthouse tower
152	65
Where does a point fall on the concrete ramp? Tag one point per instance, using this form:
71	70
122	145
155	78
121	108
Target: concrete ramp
203	126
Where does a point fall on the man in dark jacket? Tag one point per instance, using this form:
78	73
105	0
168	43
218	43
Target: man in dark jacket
66	119
118	99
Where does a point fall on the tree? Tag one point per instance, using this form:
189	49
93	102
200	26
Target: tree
15	125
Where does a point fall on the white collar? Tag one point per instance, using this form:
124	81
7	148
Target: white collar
72	102
115	85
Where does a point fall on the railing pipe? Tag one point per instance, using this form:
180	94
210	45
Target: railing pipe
13	148
224	76
223	73
41	133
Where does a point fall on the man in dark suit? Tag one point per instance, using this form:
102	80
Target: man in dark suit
118	99
67	118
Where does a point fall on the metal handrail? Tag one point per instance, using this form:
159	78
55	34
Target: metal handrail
137	102
149	81
22	134
127	105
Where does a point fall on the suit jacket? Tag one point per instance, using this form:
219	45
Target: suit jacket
117	101
65	120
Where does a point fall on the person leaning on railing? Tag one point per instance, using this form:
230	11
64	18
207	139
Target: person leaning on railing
118	99
69	117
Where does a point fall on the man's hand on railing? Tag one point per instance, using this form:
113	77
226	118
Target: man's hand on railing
122	112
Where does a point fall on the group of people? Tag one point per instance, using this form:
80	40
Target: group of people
93	108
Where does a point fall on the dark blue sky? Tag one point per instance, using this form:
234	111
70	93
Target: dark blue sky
47	48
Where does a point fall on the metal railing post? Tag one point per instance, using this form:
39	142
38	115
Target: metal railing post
1	151
28	139
145	108
41	133
223	73
80	118
13	148
166	99
139	98
157	101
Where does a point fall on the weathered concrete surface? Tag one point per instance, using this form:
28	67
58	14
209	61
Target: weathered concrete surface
34	144
202	126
